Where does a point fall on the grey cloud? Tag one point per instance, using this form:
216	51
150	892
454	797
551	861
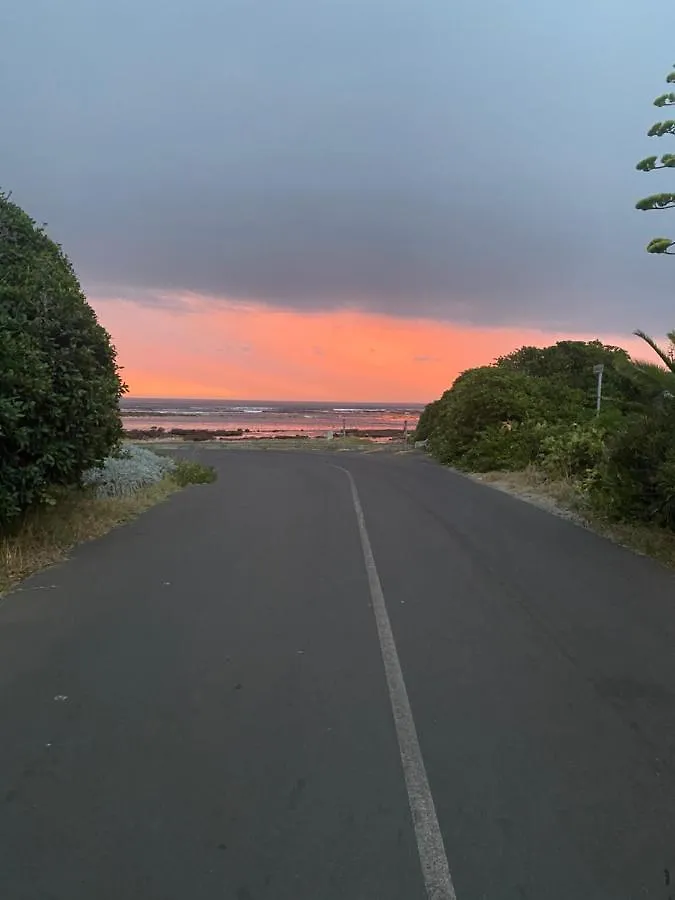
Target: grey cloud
466	162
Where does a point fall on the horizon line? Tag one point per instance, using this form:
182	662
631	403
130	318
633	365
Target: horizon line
268	400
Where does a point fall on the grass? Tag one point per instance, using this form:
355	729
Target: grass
45	535
563	497
532	483
645	539
349	443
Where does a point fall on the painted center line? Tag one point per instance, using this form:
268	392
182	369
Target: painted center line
430	848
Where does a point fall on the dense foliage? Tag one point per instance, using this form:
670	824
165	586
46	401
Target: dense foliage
487	420
569	364
59	382
635	476
536	406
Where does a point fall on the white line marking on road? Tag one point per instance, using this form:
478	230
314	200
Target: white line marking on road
433	859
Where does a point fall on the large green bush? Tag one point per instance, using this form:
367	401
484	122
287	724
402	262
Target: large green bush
571	451
537	406
428	420
59	381
489	418
635	479
570	364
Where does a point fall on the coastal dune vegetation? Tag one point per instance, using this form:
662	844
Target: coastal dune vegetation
65	475
536	413
533	416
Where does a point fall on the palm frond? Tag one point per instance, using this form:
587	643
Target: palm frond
664	355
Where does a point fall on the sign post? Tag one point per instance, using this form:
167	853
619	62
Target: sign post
598	370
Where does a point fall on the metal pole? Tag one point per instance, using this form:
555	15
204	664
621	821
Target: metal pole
405	431
344	427
598	370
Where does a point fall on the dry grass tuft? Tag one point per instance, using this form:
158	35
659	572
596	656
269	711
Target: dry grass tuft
304	444
644	539
559	496
44	536
563	497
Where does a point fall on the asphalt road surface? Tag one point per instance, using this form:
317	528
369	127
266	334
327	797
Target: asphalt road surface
375	682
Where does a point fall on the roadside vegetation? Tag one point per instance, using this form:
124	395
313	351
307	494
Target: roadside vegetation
117	492
64	474
533	414
530	420
317	444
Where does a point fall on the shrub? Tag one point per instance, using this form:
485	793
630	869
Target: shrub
537	405
59	382
571	451
191	472
501	447
126	473
137	467
635	480
489	418
570	365
428	420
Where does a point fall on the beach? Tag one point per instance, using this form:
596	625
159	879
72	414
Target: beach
238	419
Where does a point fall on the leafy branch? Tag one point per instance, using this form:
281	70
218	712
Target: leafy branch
660	245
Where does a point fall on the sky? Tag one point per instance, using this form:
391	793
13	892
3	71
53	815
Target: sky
341	199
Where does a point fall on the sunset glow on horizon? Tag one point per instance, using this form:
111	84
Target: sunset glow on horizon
213	349
306	204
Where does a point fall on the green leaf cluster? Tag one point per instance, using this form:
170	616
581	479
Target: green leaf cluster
59	380
537	406
492	416
660	245
635	479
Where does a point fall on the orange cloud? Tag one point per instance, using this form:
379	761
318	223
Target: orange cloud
252	351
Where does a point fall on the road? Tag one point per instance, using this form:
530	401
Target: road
204	703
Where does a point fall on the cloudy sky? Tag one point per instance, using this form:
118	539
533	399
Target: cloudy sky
341	198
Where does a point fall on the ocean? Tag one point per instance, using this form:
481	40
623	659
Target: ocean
266	418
